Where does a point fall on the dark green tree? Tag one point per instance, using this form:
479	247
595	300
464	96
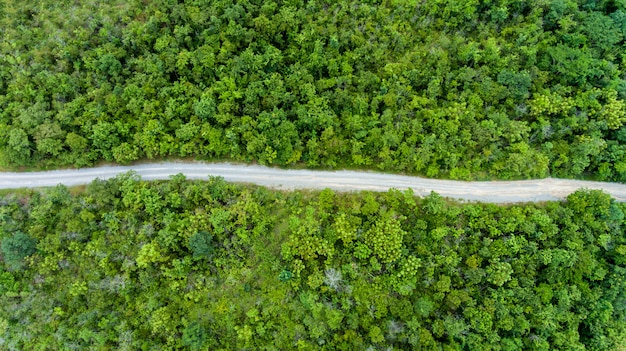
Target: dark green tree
201	245
194	336
17	247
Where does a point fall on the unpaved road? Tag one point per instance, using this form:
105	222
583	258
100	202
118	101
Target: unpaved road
493	191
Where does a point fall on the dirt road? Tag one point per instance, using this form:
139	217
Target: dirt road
493	191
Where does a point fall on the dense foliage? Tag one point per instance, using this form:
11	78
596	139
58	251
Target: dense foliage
460	89
133	265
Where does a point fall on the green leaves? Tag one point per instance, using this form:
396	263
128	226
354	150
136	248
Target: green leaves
306	240
499	273
205	108
453	90
444	88
201	245
385	238
220	266
19	148
17	247
346	228
150	253
518	83
194	336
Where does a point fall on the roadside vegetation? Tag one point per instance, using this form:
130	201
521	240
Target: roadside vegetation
476	89
501	89
126	264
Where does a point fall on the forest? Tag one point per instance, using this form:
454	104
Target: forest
475	89
127	264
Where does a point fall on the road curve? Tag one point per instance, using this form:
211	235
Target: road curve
491	191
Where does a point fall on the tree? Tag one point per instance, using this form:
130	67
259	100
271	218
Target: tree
49	138
205	108
201	245
16	247
19	146
385	238
517	82
104	137
194	336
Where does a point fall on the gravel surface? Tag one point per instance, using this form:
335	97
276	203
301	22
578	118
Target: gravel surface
491	191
